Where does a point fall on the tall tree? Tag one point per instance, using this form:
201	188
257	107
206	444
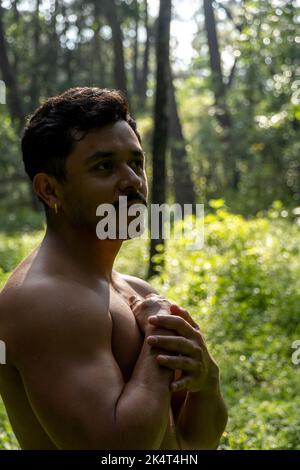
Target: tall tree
15	104
67	52
98	71
145	70
136	47
13	95
16	16
34	85
183	182
214	52
112	13
161	121
52	51
219	90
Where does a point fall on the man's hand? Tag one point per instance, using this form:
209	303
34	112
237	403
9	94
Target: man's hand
143	309
200	372
179	335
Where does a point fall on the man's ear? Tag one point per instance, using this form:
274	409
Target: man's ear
46	188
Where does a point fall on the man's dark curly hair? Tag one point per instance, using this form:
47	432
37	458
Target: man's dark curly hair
51	133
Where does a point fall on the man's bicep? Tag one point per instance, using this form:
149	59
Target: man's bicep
69	372
74	400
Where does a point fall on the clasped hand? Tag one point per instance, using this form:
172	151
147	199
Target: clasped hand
183	344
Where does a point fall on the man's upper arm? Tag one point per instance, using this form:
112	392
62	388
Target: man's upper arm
69	373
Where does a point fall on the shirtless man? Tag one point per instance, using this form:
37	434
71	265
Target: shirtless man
88	366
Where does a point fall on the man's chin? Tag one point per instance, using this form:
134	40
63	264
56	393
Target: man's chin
123	233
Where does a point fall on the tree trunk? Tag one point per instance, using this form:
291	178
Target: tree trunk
145	71
67	53
161	121
34	85
214	52
183	182
136	49
117	38
15	52
219	89
14	102
52	51
13	96
98	72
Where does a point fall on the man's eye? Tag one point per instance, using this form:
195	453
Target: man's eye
105	166
138	163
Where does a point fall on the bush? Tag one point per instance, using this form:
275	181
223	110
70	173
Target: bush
243	288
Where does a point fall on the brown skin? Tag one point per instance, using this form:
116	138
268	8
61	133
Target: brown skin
82	370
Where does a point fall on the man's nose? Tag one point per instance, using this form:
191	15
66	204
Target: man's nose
129	178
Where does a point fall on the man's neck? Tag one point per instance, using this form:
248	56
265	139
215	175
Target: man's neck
85	251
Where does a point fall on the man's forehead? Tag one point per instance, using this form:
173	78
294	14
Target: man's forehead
114	137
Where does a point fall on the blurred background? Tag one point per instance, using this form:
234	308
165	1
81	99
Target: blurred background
215	89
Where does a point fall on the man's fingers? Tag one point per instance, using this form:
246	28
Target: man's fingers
177	344
177	362
170	322
175	309
133	301
182	384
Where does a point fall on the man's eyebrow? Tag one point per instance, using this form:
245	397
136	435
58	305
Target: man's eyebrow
107	154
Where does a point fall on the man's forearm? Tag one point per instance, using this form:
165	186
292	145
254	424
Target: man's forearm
142	411
201	420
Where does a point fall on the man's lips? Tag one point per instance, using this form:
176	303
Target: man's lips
131	202
135	201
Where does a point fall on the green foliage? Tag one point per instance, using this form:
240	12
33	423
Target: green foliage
261	142
16	219
133	258
15	247
72	46
243	288
7	438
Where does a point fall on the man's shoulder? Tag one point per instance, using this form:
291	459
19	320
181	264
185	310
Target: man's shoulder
51	305
142	287
47	291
